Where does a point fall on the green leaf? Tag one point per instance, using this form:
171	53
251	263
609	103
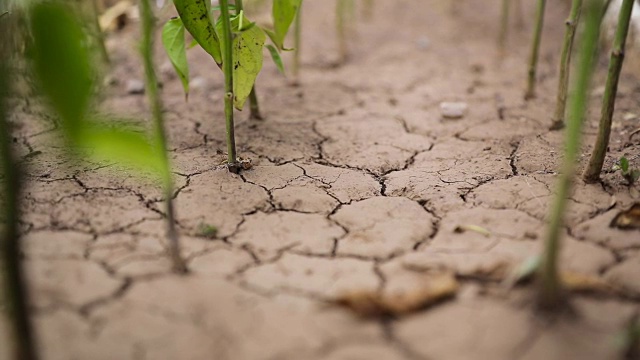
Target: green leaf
196	17
124	146
522	272
284	11
247	59
624	164
174	44
61	64
275	55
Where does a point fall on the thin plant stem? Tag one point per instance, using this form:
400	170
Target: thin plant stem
504	25
14	283
535	51
565	62
297	43
551	294
341	31
592	172
227	68
254	106
159	136
98	32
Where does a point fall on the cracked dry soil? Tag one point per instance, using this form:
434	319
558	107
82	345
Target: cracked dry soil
358	185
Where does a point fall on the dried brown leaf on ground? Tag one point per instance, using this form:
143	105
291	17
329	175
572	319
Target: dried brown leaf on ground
627	219
576	282
370	303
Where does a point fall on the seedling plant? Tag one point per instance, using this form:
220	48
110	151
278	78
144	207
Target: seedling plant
535	50
550	294
14	289
565	63
62	67
344	16
236	46
628	173
297	46
593	170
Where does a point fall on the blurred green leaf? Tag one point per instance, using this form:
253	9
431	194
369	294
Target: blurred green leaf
124	146
247	59
61	63
174	44
275	55
196	17
522	272
624	164
284	11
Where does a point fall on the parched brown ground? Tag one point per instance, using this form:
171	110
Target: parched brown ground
357	187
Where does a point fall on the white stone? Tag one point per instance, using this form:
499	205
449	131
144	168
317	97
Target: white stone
453	110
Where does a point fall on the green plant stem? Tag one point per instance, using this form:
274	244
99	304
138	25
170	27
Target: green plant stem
98	32
254	106
14	285
341	31
504	24
592	172
535	51
551	295
159	136
297	43
227	68
565	62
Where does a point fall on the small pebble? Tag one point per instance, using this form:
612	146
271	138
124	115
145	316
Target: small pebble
198	82
135	86
453	110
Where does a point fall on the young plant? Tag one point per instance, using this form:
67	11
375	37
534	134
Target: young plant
535	51
159	136
504	24
344	8
254	107
235	44
629	174
99	34
629	339
565	62
13	282
592	172
297	46
550	292
62	67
